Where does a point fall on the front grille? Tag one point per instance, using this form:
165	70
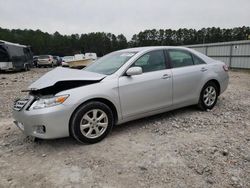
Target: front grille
20	103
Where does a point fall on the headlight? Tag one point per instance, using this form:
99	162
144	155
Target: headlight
48	102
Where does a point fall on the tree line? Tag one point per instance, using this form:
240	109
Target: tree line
103	43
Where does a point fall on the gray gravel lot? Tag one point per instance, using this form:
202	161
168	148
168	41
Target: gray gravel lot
182	148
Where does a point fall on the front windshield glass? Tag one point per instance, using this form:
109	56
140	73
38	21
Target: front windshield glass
43	57
110	63
68	58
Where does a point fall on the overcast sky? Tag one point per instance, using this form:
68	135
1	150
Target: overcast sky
122	16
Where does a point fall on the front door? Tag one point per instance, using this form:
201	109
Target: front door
151	90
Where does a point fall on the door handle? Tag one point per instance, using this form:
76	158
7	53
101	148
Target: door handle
166	76
203	69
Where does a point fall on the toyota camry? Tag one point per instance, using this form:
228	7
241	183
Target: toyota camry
119	87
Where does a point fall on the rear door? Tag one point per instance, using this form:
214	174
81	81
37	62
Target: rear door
188	76
152	90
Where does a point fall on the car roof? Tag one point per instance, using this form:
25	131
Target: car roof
148	48
14	44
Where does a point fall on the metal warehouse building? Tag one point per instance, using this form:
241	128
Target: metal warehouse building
235	54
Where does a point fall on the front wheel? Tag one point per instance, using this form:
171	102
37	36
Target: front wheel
208	96
91	122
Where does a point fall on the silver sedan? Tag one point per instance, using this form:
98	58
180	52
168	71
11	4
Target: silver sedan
119	87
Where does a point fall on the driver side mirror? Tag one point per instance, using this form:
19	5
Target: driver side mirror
134	71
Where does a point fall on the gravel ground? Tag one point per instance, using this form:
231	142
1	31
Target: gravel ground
182	148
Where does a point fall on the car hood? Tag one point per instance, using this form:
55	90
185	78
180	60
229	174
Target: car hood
60	74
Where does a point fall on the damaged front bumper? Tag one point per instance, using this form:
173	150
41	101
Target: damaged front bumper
52	122
46	123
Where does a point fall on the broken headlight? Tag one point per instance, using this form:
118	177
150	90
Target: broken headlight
48	102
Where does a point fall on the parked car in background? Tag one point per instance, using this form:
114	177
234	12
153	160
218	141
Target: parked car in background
119	87
45	61
92	56
15	57
67	59
57	60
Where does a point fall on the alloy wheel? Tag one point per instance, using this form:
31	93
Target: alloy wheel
94	123
209	96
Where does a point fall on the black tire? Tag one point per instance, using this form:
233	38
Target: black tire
77	118
26	68
202	104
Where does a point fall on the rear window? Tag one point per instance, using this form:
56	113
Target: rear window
27	52
197	60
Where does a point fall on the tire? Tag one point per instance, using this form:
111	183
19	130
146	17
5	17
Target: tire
208	96
26	68
85	126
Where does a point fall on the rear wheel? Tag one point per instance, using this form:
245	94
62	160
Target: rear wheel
26	67
208	96
91	122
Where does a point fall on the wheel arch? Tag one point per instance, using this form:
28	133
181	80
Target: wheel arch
98	99
216	82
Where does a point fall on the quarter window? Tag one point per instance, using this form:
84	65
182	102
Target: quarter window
152	61
197	60
180	58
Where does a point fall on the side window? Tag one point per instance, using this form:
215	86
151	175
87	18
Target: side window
142	61
4	57
197	60
152	61
180	58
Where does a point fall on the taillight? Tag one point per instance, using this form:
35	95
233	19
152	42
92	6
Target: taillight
225	67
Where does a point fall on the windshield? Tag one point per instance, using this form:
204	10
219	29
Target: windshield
110	63
68	58
4	57
43	57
